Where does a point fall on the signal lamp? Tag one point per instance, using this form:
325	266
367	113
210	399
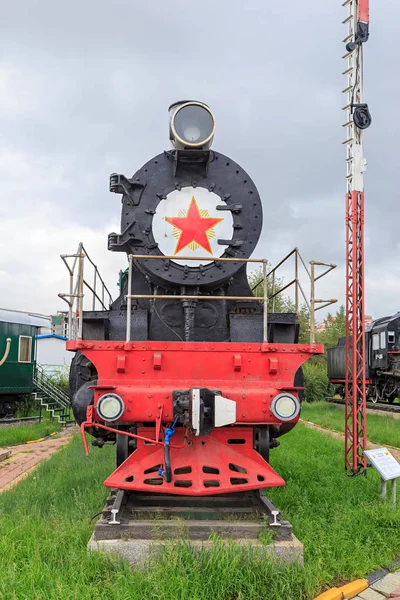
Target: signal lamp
110	407
285	407
192	125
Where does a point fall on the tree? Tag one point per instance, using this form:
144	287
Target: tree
282	304
335	328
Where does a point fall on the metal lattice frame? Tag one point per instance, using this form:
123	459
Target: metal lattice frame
355	413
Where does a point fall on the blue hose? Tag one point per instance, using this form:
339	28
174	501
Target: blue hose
166	473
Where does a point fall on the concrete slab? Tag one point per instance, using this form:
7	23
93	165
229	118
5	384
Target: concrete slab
139	551
388	584
370	594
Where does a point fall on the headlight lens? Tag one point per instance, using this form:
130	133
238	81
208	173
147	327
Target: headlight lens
285	407
110	407
192	125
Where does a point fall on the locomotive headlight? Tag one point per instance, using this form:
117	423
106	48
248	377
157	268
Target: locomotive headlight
285	407
192	125
110	407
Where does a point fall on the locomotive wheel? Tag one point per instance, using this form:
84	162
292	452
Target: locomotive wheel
81	371
125	446
262	441
122	449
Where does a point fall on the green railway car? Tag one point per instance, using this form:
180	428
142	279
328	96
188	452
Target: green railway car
17	357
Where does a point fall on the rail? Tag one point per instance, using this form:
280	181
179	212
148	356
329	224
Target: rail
310	302
77	285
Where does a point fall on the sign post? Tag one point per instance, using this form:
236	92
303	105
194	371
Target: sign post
387	466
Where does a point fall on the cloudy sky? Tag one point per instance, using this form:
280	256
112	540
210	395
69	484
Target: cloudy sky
84	91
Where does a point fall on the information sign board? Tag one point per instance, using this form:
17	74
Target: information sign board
384	462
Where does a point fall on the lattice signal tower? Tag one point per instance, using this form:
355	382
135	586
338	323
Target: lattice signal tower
358	119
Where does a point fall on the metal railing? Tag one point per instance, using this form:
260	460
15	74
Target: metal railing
45	385
56	370
310	302
130	297
77	285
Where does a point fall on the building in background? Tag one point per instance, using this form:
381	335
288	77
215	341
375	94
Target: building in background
51	334
59	324
18	331
321	326
52	355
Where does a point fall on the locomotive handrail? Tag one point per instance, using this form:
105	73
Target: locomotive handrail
76	290
130	297
311	303
199	258
76	295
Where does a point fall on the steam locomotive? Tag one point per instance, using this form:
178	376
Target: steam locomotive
187	372
382	341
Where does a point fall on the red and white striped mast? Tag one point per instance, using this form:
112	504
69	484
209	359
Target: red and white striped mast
358	119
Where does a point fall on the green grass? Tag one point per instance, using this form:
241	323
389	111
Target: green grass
45	524
380	429
17	434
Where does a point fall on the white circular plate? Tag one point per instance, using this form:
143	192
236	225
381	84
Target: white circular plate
187	223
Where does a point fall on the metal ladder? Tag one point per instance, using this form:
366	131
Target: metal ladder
51	397
357	119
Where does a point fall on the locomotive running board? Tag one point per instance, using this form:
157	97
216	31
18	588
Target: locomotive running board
219	463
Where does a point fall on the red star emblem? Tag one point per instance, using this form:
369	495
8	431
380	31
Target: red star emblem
193	228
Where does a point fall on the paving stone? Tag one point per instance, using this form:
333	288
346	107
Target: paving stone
388	584
395	593
25	457
370	595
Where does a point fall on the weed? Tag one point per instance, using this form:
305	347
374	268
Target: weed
266	536
383	430
18	434
347	531
317	386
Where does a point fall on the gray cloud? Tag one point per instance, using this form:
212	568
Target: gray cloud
84	89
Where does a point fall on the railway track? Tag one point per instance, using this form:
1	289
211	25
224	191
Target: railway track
241	515
14	420
137	525
382	406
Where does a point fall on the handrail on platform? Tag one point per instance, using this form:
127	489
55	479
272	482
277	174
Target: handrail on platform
78	283
130	297
76	290
310	303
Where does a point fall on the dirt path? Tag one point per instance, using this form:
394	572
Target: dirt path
26	457
339	435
